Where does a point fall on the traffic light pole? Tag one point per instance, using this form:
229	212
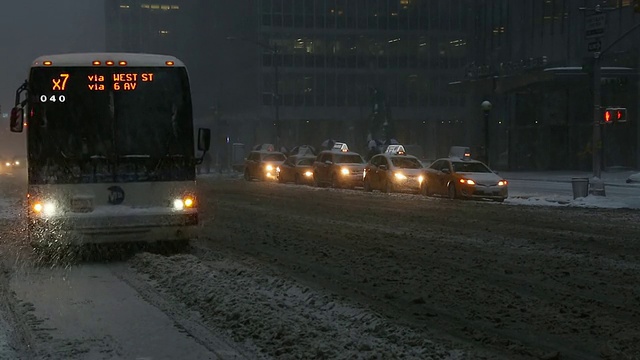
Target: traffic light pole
596	148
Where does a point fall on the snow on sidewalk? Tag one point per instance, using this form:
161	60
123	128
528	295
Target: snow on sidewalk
284	319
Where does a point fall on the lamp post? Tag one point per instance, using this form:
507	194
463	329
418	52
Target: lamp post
486	107
273	49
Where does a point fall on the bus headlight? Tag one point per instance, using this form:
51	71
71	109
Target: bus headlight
345	171
187	202
178	204
308	174
47	208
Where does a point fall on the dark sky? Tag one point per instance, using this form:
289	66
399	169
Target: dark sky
30	28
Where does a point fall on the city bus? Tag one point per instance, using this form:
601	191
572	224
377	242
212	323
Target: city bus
110	149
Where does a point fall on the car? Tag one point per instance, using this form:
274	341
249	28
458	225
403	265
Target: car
338	167
297	169
262	165
393	171
464	178
9	165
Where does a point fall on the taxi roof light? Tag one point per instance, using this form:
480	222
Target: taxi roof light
340	146
396	150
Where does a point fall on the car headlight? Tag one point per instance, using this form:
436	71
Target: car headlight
269	168
278	169
17	162
308	174
345	171
420	179
7	164
400	176
467	181
502	183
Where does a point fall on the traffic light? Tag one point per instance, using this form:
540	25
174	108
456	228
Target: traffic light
608	116
614	115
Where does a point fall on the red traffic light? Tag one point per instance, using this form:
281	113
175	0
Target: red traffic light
615	115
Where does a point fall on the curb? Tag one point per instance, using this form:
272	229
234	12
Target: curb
631	186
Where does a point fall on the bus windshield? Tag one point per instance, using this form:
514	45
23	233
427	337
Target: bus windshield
109	125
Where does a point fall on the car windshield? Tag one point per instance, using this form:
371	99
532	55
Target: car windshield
406	162
305	162
349	159
469	167
274	157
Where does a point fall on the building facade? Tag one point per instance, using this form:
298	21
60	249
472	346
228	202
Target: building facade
345	67
531	60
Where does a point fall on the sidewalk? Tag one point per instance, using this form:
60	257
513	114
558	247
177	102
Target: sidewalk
609	178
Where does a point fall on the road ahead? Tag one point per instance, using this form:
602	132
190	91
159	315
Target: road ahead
510	280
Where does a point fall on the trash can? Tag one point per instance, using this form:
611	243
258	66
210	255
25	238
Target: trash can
580	187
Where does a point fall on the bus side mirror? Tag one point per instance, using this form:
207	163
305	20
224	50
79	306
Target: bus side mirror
17	119
204	139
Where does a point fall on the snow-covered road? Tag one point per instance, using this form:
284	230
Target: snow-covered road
298	272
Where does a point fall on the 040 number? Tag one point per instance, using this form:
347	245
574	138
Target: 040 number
53	98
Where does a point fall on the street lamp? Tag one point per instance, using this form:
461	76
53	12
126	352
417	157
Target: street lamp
276	93
486	107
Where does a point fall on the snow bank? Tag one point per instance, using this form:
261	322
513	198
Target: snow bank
590	201
6	350
634	178
284	320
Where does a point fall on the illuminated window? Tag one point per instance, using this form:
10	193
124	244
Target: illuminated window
124	6
163	32
159	7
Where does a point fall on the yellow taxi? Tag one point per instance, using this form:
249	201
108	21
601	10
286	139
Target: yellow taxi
393	171
262	165
464	178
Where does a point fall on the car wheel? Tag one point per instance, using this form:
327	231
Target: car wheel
334	182
388	187
367	185
452	191
425	189
247	176
316	181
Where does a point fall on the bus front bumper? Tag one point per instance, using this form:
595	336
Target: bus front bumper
99	230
